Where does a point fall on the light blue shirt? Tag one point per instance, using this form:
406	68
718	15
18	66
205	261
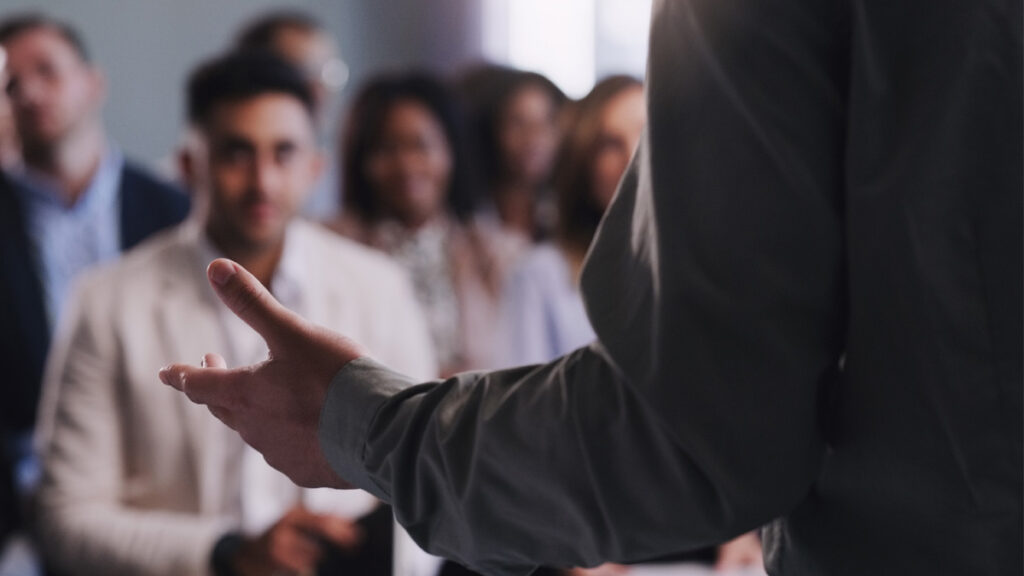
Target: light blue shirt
542	310
65	239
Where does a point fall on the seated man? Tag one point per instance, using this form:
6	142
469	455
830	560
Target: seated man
76	201
135	479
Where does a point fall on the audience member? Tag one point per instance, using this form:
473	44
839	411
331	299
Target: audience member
75	202
301	40
520	131
136	481
406	193
543	313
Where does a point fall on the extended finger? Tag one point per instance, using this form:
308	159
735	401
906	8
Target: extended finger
214	361
248	299
215	387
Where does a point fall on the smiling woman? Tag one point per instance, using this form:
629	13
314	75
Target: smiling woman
406	193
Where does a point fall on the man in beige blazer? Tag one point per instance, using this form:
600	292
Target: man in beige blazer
137	480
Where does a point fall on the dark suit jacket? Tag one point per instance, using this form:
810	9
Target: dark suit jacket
147	206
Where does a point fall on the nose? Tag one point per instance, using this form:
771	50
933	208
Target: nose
265	176
410	160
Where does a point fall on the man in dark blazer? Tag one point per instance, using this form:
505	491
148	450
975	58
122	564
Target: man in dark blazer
75	203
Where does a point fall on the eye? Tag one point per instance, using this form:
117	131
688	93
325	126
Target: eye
421	144
47	70
607	144
386	147
235	154
284	153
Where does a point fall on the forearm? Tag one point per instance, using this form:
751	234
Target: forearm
562	460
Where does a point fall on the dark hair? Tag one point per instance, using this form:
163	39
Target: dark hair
16	25
507	85
578	212
365	125
239	76
260	32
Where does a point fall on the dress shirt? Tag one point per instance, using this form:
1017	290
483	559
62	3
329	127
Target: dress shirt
68	239
542	310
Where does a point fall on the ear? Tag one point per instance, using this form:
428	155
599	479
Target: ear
191	160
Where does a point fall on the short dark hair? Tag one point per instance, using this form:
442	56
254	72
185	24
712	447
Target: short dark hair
364	127
260	32
21	23
241	75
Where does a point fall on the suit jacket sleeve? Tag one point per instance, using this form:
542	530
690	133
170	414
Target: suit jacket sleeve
715	288
85	522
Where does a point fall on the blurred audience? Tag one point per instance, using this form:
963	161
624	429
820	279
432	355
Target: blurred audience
136	479
407	193
519	124
300	39
543	312
485	254
74	202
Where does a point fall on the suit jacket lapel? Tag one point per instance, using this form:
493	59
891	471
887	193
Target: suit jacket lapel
190	328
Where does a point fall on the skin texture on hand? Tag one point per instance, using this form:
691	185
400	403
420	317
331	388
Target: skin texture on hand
293	544
274	405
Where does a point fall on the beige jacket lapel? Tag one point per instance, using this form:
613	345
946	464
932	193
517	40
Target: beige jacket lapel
190	328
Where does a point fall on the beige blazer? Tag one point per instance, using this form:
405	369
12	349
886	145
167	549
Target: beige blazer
132	471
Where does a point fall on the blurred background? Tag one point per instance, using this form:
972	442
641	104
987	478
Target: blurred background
147	47
473	144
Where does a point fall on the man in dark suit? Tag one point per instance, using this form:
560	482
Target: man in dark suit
75	203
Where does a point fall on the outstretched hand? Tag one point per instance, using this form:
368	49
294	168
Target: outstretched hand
274	405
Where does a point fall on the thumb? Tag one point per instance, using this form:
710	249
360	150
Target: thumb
248	299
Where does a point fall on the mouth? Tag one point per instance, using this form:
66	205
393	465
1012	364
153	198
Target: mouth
416	188
261	212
